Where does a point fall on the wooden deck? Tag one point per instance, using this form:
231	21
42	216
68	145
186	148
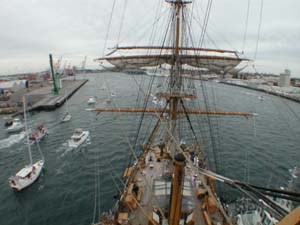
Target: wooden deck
154	187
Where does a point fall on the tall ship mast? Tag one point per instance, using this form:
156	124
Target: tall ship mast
170	183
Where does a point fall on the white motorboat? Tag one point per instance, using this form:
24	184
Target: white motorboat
66	117
29	173
91	100
15	126
39	133
78	138
26	176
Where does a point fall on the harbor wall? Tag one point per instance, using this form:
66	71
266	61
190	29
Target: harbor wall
44	100
295	99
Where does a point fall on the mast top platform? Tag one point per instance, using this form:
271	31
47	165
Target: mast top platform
179	1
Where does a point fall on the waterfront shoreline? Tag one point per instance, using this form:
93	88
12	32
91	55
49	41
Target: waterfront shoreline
42	99
263	90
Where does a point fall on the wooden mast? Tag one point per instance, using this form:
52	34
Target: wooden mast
176	189
175	84
179	159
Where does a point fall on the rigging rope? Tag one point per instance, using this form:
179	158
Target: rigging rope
148	95
246	26
206	101
190	123
259	28
121	25
205	23
96	194
108	28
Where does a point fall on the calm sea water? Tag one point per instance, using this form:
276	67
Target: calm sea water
259	150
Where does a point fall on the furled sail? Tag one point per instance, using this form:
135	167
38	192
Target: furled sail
212	59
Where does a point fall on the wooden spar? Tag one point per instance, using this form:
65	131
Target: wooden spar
169	56
293	218
174	95
160	110
171	48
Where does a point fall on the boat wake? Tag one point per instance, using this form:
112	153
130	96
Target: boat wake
66	148
12	139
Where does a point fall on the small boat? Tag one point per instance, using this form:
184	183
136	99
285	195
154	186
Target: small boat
78	138
91	100
155	101
29	173
66	117
15	126
8	121
26	176
113	94
39	133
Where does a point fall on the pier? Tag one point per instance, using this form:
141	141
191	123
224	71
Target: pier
48	101
42	98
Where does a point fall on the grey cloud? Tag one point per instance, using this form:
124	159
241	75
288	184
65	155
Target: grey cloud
33	28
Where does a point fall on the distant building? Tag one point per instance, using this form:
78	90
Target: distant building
13	85
295	82
284	78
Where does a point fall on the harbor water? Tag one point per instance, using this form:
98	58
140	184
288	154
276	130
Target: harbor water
259	150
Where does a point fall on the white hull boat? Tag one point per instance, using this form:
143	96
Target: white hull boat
67	117
26	176
78	138
91	100
15	127
29	174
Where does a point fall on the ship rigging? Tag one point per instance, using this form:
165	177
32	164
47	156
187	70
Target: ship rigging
170	182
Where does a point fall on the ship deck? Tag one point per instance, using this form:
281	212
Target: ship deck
151	189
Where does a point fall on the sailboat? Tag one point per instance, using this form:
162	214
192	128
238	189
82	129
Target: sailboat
170	182
67	117
29	173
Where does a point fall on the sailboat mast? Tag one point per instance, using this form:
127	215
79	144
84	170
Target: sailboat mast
66	102
175	83
26	130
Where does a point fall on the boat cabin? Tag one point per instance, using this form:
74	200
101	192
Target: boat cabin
25	172
78	134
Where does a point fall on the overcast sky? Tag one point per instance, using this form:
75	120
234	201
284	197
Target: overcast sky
32	29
